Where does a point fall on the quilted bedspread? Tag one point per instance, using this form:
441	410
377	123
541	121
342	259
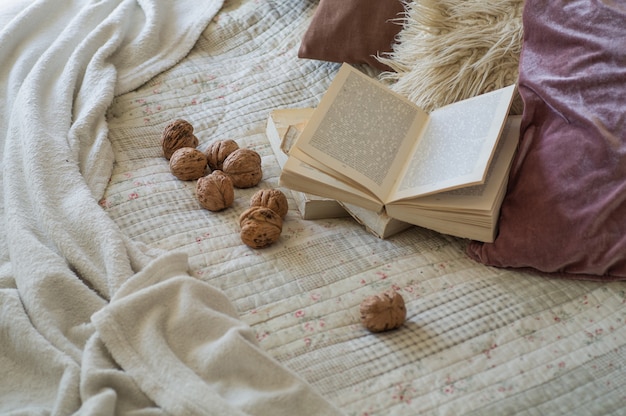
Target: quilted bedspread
477	340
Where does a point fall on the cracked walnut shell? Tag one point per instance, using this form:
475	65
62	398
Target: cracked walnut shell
383	312
215	191
273	199
218	151
188	163
177	134
244	168
260	226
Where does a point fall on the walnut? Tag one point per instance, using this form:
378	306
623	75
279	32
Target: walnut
215	191
218	151
273	199
188	163
244	168
177	134
260	226
383	311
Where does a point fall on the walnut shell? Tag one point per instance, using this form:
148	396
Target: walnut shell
383	312
188	163
215	191
177	134
260	226
273	199
244	168
218	151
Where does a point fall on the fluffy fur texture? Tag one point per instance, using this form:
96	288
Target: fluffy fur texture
450	50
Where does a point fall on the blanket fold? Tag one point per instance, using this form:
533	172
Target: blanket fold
94	324
189	332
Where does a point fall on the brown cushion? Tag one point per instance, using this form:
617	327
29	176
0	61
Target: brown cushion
352	31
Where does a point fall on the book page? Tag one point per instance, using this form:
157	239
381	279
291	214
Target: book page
364	130
457	146
480	197
350	184
300	176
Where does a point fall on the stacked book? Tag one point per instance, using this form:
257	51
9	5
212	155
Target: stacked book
389	164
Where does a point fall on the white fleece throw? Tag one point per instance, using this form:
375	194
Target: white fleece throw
90	322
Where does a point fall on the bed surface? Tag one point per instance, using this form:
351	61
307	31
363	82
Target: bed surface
477	340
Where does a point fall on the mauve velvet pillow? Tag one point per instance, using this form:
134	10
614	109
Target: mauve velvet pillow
565	209
353	31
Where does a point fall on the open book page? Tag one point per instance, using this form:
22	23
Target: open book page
457	146
478	197
363	130
336	175
300	176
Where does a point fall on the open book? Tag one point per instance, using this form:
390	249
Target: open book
368	146
284	126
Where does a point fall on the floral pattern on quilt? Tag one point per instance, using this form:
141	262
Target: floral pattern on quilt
477	340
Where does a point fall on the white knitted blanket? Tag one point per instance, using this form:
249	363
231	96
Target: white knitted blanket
92	323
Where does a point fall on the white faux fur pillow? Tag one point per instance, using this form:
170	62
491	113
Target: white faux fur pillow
449	50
